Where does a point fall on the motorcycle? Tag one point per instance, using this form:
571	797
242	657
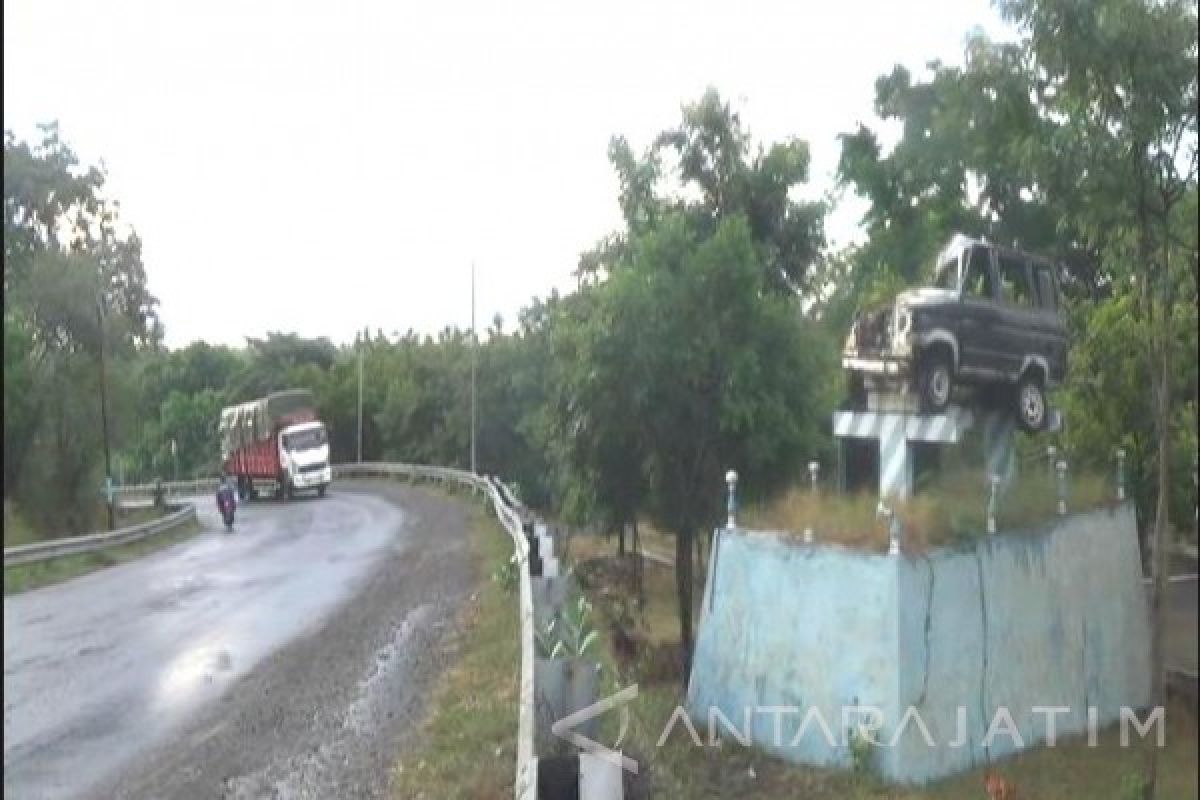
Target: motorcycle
226	505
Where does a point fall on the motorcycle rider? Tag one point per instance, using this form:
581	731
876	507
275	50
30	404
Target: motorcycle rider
226	494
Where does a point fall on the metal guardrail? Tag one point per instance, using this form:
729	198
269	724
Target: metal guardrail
512	516
170	488
179	515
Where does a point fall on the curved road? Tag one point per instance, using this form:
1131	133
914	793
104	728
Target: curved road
287	659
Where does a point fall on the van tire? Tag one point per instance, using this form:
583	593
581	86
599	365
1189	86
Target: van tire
935	380
1031	402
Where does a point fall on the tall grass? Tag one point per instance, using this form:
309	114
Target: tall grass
951	509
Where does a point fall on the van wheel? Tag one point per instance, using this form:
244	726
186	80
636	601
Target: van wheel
1031	403
933	382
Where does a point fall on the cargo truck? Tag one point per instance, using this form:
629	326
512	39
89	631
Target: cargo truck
276	444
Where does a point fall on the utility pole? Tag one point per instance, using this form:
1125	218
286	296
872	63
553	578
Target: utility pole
108	492
361	346
474	360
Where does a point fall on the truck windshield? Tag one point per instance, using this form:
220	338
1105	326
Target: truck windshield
304	440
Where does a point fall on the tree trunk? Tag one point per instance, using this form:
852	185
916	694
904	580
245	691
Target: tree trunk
683	589
639	561
621	539
1160	548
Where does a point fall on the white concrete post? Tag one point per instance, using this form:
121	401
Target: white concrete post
994	482
731	478
893	527
1120	474
1061	469
814	469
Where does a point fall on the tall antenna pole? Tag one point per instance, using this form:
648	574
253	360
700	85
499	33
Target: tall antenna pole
474	360
361	346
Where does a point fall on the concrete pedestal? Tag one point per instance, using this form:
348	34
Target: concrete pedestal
896	431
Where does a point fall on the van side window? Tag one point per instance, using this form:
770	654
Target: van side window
1014	281
978	282
1047	291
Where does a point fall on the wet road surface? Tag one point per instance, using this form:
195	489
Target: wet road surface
286	659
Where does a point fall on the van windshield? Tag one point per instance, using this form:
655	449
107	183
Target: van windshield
304	440
946	276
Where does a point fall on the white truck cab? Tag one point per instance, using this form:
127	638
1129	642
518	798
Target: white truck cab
304	457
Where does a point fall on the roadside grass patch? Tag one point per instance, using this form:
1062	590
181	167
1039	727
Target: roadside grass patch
952	509
680	769
23	577
466	748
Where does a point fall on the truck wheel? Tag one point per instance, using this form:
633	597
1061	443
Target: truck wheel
933	382
1031	403
321	490
289	491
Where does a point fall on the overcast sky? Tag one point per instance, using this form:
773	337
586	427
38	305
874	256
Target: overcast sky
319	166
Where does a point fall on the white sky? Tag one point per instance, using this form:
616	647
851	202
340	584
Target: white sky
316	167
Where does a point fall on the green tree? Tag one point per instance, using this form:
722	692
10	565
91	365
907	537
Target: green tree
714	158
714	369
685	352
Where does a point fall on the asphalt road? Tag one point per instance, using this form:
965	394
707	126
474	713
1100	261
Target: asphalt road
287	659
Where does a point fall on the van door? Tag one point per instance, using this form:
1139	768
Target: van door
979	312
1020	328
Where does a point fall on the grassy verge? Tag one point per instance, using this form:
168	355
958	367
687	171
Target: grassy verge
23	577
951	510
643	648
467	746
